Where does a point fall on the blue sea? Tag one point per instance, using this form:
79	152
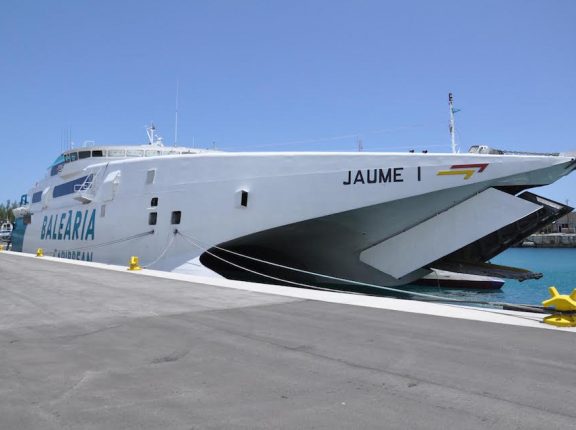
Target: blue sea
556	264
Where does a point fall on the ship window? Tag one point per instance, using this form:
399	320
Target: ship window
241	199
83	154
69	187
154	201
152	218
36	197
176	215
116	153
244	198
102	211
135	153
97	153
57	165
68	158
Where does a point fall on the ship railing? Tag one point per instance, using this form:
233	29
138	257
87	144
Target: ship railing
484	149
85	191
85	186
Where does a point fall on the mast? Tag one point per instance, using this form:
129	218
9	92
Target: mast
176	118
150	132
153	138
452	124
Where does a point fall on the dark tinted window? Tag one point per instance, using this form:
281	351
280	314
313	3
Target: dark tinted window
69	187
176	215
154	201
84	154
97	153
36	197
152	218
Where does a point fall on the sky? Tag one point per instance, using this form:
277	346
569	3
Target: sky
285	75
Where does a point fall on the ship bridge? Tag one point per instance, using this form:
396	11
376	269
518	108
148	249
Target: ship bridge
112	153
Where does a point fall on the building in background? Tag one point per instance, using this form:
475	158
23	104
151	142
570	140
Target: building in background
566	224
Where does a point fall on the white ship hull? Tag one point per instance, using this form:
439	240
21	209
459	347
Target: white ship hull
372	217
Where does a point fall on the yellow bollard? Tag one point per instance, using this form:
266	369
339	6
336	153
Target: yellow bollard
39	252
561	302
1	247
134	263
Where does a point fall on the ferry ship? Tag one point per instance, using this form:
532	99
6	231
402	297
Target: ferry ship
302	217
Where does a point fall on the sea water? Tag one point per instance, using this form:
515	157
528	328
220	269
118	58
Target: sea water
558	265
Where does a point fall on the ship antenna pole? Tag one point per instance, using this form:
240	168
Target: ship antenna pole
452	124
176	118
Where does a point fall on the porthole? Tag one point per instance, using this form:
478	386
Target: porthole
152	218
244	198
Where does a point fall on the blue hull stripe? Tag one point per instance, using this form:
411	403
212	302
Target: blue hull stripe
18	235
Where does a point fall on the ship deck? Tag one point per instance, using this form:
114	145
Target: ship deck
96	347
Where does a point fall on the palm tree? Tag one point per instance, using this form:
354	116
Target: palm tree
6	211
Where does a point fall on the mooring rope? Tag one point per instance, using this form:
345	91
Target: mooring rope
195	243
170	242
314	287
112	242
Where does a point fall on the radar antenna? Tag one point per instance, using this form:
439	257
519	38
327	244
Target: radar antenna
153	138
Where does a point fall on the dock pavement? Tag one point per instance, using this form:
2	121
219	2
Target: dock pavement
91	346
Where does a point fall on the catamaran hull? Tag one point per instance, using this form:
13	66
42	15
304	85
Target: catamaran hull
376	218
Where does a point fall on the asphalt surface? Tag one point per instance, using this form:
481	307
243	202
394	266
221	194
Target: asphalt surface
86	348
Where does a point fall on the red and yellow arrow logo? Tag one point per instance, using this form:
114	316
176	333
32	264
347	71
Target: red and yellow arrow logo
464	169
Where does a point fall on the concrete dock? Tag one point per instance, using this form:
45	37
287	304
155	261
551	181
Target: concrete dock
89	347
